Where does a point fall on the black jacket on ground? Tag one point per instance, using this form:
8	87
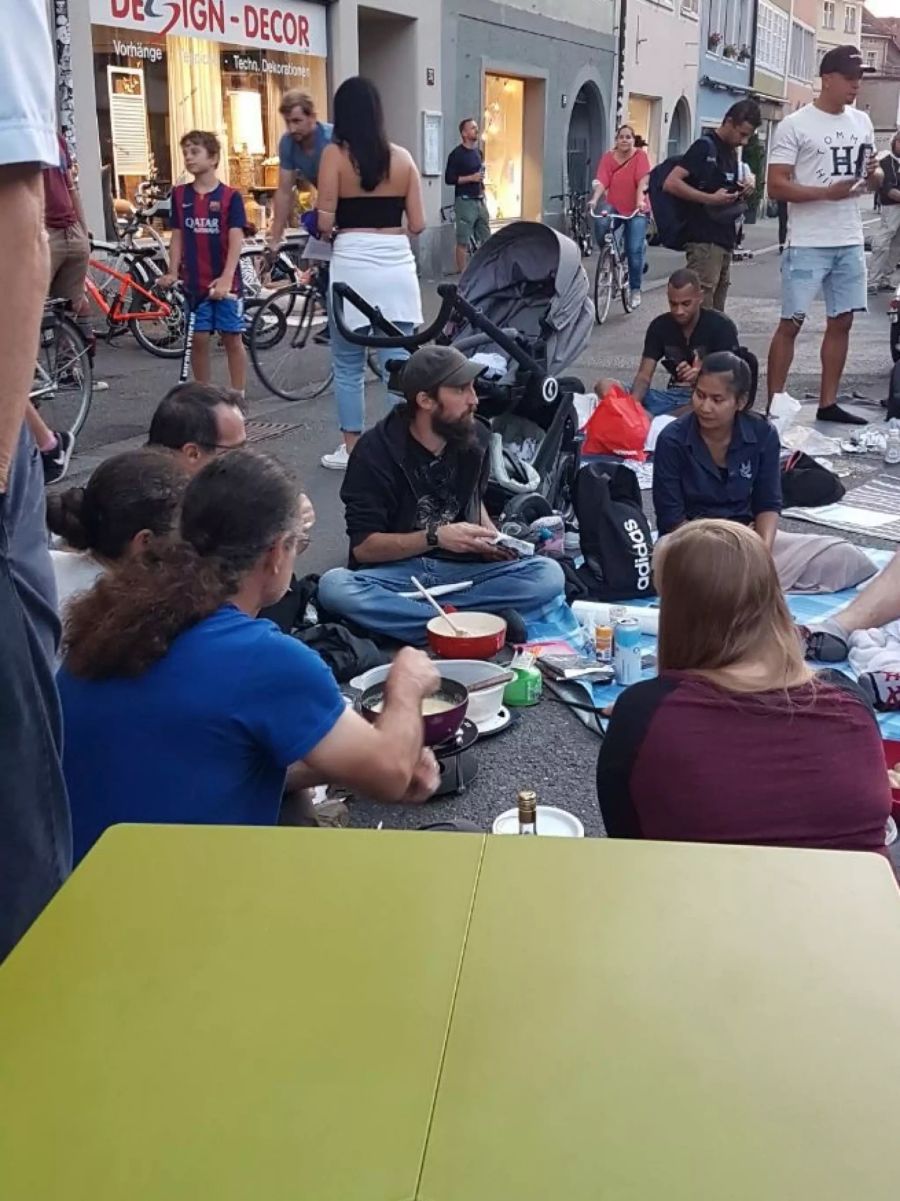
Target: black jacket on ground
378	495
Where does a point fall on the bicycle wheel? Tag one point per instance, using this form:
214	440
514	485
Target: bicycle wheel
273	326
625	286
161	336
292	366
63	384
603	285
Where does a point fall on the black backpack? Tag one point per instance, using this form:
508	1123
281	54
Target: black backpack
614	533
671	215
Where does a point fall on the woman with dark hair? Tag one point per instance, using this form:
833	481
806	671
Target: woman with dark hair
621	183
130	500
734	740
366	185
180	706
722	460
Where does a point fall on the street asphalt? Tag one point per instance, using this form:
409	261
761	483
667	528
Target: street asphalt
547	748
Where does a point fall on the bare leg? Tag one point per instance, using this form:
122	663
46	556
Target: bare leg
781	355
877	604
350	440
200	359
40	431
26	274
462	257
237	361
834	356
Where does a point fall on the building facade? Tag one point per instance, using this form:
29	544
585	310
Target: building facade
725	58
803	60
839	23
660	73
879	94
542	89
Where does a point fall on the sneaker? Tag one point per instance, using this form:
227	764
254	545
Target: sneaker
635	300
56	461
337	460
822	645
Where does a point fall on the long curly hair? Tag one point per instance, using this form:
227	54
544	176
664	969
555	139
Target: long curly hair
234	511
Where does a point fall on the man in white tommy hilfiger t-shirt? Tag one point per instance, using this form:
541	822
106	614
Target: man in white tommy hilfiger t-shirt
822	162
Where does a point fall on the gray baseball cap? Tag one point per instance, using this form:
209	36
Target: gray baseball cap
432	366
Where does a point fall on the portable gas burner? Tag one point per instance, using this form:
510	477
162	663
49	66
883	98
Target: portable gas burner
457	760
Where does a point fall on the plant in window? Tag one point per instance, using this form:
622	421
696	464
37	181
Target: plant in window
743	54
713	40
730	51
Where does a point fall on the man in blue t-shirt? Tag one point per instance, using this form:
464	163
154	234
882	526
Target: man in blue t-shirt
299	155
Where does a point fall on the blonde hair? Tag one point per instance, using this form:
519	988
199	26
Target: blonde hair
297	99
721	604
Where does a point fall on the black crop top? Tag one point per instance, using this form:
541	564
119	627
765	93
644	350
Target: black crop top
370	212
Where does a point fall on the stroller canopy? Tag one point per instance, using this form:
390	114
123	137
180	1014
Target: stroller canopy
529	278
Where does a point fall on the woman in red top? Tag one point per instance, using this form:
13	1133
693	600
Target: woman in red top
736	740
622	184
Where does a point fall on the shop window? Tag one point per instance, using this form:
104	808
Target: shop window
504	146
165	86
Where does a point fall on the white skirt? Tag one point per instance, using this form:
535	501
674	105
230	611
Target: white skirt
382	269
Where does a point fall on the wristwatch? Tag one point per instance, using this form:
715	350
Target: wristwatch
431	534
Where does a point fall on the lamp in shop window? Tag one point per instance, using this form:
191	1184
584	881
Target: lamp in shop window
245	111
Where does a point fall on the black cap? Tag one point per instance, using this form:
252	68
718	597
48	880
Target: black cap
432	366
846	61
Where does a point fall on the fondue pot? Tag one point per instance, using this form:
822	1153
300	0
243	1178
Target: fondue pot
483	636
439	727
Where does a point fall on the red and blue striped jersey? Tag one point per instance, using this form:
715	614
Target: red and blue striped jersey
204	219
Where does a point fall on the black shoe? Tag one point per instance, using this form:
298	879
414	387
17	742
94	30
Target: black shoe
822	645
56	461
323	337
841	416
516	630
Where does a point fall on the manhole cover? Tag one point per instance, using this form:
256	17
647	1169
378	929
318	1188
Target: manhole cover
259	431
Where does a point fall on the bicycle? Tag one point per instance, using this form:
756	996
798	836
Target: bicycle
611	276
131	300
63	382
578	226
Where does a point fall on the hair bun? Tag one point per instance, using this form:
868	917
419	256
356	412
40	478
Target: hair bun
66	517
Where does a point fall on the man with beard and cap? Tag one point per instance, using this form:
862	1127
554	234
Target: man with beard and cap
414	499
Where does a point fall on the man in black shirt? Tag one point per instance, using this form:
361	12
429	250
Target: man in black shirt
680	339
414	506
709	182
465	174
886	239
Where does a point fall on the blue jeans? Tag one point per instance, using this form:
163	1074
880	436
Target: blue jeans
663	400
369	597
839	272
633	235
349	364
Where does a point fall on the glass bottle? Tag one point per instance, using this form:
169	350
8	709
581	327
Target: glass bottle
527	801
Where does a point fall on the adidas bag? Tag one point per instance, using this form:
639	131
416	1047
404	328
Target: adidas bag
614	533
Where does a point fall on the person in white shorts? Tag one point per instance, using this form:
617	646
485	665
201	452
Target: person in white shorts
821	162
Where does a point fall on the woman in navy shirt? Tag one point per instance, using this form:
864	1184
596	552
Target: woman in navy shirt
721	460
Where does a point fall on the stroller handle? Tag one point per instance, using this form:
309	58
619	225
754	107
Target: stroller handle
451	304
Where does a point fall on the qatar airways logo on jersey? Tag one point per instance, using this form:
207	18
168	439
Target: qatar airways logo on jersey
275	25
202	225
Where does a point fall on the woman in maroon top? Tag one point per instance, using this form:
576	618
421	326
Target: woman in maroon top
621	184
736	740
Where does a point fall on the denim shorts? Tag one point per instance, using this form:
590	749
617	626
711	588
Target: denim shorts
838	271
220	316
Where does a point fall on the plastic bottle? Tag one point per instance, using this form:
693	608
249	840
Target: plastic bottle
892	448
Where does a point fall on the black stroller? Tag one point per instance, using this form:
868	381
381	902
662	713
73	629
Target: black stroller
524	302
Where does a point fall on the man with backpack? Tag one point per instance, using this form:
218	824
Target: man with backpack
710	193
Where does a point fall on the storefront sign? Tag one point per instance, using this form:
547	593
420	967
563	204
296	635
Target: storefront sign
266	24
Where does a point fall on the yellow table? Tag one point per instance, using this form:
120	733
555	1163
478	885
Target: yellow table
276	1015
233	1015
661	1022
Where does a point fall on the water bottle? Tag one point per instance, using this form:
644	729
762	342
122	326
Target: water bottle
892	449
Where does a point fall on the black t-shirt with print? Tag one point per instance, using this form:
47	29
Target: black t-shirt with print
665	342
437	483
710	177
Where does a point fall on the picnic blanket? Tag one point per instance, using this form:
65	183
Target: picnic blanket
873	507
806	609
